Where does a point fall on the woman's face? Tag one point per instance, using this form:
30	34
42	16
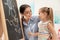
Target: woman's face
42	15
27	13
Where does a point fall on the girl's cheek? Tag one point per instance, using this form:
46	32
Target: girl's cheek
40	16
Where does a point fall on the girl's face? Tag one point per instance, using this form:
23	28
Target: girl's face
42	15
27	13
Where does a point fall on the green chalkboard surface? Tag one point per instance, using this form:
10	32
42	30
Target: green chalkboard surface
12	19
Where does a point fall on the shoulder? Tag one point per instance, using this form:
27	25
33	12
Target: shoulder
50	24
39	23
35	18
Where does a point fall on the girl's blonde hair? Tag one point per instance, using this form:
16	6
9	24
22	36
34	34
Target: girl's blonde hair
49	12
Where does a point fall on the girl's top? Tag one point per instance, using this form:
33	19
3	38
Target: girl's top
43	30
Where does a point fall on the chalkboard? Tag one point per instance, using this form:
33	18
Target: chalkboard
12	19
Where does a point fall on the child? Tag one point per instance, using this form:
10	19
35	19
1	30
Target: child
46	30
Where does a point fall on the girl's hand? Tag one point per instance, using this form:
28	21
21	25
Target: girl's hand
30	33
33	34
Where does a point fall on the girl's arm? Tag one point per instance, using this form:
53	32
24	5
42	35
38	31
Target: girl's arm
33	34
52	31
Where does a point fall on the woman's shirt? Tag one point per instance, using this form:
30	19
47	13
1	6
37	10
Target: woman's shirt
32	26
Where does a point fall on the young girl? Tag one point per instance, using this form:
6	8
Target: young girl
46	29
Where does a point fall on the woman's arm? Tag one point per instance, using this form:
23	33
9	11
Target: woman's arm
52	31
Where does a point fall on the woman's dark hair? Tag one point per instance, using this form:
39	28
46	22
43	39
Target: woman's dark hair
23	7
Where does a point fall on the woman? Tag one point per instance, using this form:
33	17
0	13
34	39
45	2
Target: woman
29	23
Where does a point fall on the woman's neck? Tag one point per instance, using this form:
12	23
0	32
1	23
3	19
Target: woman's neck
26	20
